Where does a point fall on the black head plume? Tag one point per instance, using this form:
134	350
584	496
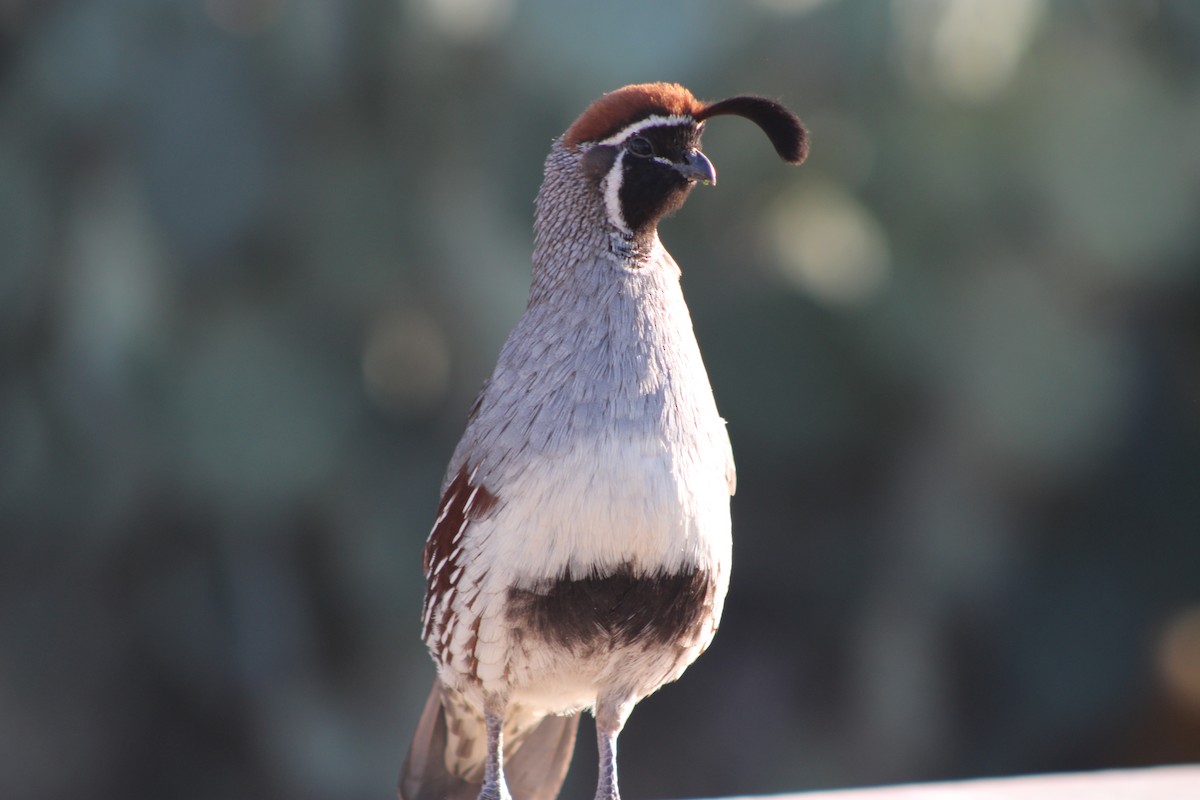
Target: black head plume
782	127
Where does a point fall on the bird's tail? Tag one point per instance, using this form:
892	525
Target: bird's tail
445	761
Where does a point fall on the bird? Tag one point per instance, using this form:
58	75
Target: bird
581	548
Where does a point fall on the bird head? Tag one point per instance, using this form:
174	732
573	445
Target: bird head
641	145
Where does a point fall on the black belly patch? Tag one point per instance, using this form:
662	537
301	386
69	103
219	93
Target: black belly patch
614	610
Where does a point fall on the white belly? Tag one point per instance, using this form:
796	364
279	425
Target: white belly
602	508
606	505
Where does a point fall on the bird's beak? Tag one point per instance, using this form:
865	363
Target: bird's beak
697	167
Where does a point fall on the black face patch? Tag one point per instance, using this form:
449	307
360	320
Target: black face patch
616	610
667	141
651	189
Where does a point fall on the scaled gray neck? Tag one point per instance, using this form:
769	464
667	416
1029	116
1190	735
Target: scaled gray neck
605	346
571	223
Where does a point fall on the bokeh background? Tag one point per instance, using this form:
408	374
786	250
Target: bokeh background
256	257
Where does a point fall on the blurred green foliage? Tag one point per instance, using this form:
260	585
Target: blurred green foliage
256	256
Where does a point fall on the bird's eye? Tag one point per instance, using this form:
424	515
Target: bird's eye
640	147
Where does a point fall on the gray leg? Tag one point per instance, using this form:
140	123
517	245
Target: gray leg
606	788
611	712
494	787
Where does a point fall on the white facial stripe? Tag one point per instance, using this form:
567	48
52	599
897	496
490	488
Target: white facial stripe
612	193
652	121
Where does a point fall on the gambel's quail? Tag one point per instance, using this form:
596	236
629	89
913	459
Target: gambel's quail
581	550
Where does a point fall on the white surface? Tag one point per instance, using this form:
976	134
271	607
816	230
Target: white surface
1156	783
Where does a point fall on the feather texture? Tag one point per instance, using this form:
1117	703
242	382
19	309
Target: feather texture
581	550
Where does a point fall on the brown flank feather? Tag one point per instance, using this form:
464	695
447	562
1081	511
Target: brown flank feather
462	503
